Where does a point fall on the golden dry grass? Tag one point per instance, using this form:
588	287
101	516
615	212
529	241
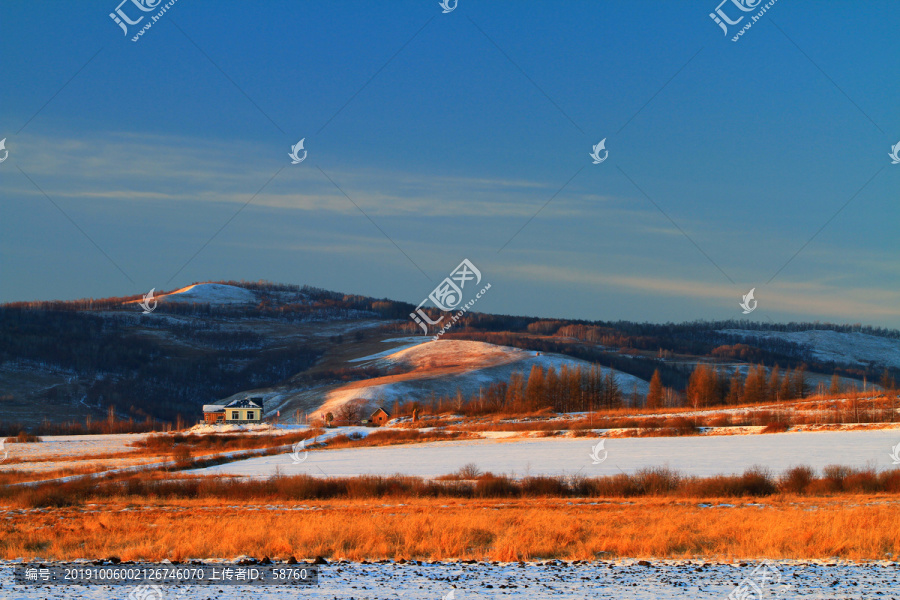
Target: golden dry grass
8	477
858	527
393	437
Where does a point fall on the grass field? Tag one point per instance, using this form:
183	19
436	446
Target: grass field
857	527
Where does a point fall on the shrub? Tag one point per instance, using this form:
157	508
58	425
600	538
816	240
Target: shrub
496	487
387	437
339	440
834	476
220	441
754	482
681	425
720	421
864	481
796	480
56	495
55	498
23	438
657	481
757	482
890	481
545	486
776	427
819	487
620	485
470	471
182	456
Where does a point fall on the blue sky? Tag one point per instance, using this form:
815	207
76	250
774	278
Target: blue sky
450	132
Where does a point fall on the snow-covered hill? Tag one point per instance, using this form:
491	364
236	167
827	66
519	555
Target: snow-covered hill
440	368
207	293
827	345
212	293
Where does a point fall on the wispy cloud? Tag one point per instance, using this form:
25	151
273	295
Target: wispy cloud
808	299
142	168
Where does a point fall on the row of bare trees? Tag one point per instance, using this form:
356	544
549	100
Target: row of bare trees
581	389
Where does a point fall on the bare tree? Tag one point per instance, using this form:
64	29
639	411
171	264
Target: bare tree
351	413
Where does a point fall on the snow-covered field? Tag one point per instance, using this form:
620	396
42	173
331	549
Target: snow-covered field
71	447
694	455
248	428
626	579
854	348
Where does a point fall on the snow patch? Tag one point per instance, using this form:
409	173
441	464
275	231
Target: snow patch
407	343
211	293
626	579
840	347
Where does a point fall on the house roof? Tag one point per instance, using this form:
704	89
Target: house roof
239	403
375	412
244	403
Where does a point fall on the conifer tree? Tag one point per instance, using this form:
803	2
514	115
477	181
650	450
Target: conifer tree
835	387
887	380
552	387
702	387
735	388
785	390
515	391
535	390
798	382
655	393
611	391
755	385
774	388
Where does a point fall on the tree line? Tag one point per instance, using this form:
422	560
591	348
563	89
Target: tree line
591	388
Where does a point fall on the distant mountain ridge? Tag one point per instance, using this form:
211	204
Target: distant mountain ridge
212	340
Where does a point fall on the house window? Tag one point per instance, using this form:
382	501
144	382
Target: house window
235	415
249	415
